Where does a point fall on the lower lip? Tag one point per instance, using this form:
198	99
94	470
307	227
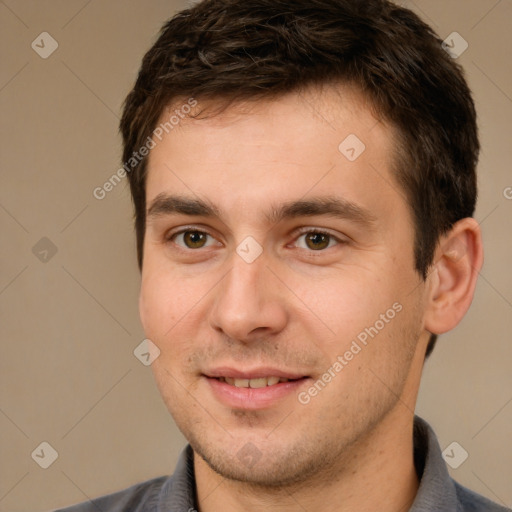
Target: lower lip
253	399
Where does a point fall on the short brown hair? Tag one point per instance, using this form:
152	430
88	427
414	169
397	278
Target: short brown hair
230	50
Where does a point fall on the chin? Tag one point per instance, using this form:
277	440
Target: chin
268	467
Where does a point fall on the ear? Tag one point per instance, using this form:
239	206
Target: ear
452	277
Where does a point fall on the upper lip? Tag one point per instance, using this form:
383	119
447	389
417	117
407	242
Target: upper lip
255	373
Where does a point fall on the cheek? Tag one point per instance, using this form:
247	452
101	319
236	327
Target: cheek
172	313
163	314
161	305
345	304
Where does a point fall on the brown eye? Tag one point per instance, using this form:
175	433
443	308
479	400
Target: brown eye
317	241
190	239
194	239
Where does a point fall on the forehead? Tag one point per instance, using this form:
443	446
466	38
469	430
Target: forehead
317	142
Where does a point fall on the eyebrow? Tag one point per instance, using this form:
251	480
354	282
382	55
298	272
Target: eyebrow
329	206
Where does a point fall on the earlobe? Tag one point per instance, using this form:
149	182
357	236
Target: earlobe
452	280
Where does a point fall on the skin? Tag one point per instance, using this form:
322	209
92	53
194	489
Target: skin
295	307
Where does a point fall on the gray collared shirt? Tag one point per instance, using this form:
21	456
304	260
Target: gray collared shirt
437	491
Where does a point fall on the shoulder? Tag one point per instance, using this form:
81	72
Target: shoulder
438	491
141	497
175	492
473	502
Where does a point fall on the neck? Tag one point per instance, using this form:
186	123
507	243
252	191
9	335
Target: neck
376	473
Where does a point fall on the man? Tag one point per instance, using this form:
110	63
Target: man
303	176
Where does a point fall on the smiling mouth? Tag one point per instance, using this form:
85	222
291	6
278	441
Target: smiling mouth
261	382
254	389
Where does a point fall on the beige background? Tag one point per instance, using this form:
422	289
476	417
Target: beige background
69	325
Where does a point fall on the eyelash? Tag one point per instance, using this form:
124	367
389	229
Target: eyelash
170	238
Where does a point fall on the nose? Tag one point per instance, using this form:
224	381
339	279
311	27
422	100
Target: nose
249	302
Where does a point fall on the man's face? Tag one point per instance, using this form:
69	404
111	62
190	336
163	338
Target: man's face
252	295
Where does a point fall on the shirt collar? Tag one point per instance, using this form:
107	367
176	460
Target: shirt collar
179	492
437	489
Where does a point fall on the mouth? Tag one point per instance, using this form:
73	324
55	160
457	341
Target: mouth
254	390
256	383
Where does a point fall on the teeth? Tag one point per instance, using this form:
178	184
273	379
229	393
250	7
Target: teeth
253	383
258	383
